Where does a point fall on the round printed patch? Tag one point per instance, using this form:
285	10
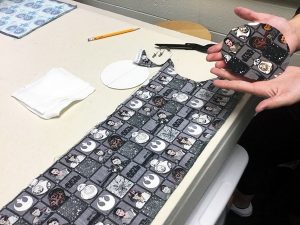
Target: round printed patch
256	51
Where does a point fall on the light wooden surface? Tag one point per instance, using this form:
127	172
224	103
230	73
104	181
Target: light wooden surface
187	27
29	144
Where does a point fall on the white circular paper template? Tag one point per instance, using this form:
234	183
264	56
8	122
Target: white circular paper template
124	74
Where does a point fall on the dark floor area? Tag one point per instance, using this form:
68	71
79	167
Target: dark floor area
278	198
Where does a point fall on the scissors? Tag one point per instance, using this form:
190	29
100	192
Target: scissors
186	46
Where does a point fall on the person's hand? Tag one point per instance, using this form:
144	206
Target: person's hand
287	28
281	91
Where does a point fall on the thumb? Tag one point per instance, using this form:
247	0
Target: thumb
272	102
250	15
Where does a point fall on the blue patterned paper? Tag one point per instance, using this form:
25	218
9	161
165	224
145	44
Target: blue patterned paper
20	17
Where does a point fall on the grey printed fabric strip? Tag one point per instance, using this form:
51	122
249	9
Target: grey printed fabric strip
20	17
126	168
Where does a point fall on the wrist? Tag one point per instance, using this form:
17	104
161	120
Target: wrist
294	41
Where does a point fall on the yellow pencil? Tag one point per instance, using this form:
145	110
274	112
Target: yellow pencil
112	34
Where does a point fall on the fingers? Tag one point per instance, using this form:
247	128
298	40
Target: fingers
220	64
254	88
251	15
224	74
214	57
251	88
214	53
270	103
275	102
245	14
215	48
239	85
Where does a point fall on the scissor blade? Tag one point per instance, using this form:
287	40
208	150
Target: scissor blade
186	46
174	46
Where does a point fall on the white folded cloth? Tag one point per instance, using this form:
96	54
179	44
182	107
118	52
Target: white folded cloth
50	94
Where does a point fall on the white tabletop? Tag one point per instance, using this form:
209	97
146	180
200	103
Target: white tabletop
29	144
